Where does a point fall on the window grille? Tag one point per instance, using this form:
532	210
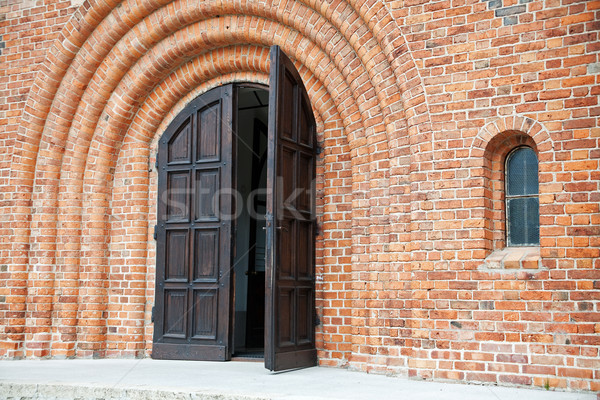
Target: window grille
522	198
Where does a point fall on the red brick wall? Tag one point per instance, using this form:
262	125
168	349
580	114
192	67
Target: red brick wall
417	102
28	29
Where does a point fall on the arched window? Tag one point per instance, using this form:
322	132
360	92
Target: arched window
522	201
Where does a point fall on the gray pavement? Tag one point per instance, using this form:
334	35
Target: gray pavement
195	380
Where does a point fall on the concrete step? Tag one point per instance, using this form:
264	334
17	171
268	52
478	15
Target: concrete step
136	379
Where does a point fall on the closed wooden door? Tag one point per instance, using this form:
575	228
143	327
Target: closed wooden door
191	316
290	264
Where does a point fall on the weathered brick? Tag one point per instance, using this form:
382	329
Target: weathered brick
418	104
505	11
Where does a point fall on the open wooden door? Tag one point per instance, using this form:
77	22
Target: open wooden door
191	315
290	274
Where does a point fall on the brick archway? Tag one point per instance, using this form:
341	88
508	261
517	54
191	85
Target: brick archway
86	144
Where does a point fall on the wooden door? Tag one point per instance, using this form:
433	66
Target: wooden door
290	275
191	316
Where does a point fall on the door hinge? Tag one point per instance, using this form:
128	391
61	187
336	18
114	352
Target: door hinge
317	320
153	311
155	232
319	149
156	162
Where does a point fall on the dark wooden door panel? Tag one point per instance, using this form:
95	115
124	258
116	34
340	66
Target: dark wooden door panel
209	133
303	185
304	265
206	255
290	259
304	315
285	322
177	247
175	325
180	144
285	236
178	199
306	125
193	238
207	204
205	314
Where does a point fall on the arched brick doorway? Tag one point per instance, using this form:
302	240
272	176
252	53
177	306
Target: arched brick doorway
202	193
99	112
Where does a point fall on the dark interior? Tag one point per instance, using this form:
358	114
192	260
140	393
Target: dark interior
250	141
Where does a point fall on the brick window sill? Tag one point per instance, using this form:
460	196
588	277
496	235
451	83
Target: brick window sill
513	258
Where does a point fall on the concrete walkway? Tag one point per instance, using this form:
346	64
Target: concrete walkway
195	380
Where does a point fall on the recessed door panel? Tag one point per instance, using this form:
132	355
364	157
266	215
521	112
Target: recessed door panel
306	135
209	132
207	194
286	236
286	323
303	187
177	261
175	313
177	196
287	180
303	323
206	254
180	148
288	105
305	256
205	314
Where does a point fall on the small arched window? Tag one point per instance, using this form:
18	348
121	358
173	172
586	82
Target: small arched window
522	198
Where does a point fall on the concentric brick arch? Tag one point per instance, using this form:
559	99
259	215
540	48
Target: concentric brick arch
103	80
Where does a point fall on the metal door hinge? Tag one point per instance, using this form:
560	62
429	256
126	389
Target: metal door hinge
319	149
318	230
155	232
152	316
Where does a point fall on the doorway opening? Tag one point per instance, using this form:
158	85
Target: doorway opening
251	143
227	286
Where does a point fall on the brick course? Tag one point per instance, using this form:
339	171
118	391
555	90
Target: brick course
417	105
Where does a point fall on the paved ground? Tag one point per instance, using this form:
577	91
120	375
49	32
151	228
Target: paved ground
152	379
